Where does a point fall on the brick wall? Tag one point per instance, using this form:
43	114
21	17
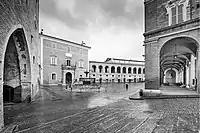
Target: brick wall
156	16
23	14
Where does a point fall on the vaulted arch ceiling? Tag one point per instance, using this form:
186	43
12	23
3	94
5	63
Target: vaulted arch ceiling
177	52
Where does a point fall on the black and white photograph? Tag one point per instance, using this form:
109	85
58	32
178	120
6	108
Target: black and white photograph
99	66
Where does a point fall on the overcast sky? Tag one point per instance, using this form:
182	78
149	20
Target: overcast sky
113	28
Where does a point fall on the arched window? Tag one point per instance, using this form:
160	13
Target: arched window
124	69
129	70
118	69
139	71
143	70
112	69
106	69
100	69
134	70
94	68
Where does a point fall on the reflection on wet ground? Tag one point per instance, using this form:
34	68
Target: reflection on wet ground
105	112
54	97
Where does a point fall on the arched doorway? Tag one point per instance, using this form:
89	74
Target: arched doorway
68	78
170	77
178	61
16	69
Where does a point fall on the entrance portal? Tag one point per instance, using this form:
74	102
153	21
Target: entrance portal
68	78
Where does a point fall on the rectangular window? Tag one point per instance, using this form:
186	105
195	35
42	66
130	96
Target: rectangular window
180	13
53	60
53	76
68	62
173	15
80	63
53	45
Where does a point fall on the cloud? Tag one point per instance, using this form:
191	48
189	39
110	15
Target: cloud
113	28
78	13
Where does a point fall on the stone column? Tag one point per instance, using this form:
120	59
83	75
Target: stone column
198	71
152	66
192	70
187	76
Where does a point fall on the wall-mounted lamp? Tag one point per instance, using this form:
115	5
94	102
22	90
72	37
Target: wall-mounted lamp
175	56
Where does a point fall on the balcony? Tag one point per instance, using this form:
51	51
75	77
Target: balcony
66	67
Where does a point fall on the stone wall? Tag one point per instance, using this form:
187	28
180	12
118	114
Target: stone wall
24	15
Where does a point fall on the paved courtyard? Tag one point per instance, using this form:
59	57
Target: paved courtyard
109	111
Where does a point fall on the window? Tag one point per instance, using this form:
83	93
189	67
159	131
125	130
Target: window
80	63
100	69
53	45
173	15
129	70
177	11
94	75
68	49
53	60
124	69
24	68
139	71
68	62
53	76
81	51
33	59
94	68
112	69
118	70
106	69
180	13
134	70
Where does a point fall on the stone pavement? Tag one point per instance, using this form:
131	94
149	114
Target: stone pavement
105	112
125	116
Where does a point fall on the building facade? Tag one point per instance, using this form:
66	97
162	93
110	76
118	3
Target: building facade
117	70
172	38
19	51
62	61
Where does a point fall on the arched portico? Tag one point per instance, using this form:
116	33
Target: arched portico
179	60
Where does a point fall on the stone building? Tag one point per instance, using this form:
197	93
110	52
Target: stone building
62	61
19	51
172	38
117	70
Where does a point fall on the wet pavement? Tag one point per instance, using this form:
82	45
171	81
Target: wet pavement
109	111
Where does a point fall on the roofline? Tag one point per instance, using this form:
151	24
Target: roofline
45	35
116	63
126	60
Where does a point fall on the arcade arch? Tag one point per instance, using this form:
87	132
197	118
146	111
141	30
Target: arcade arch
16	68
178	61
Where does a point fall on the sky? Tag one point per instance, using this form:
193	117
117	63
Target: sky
112	28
